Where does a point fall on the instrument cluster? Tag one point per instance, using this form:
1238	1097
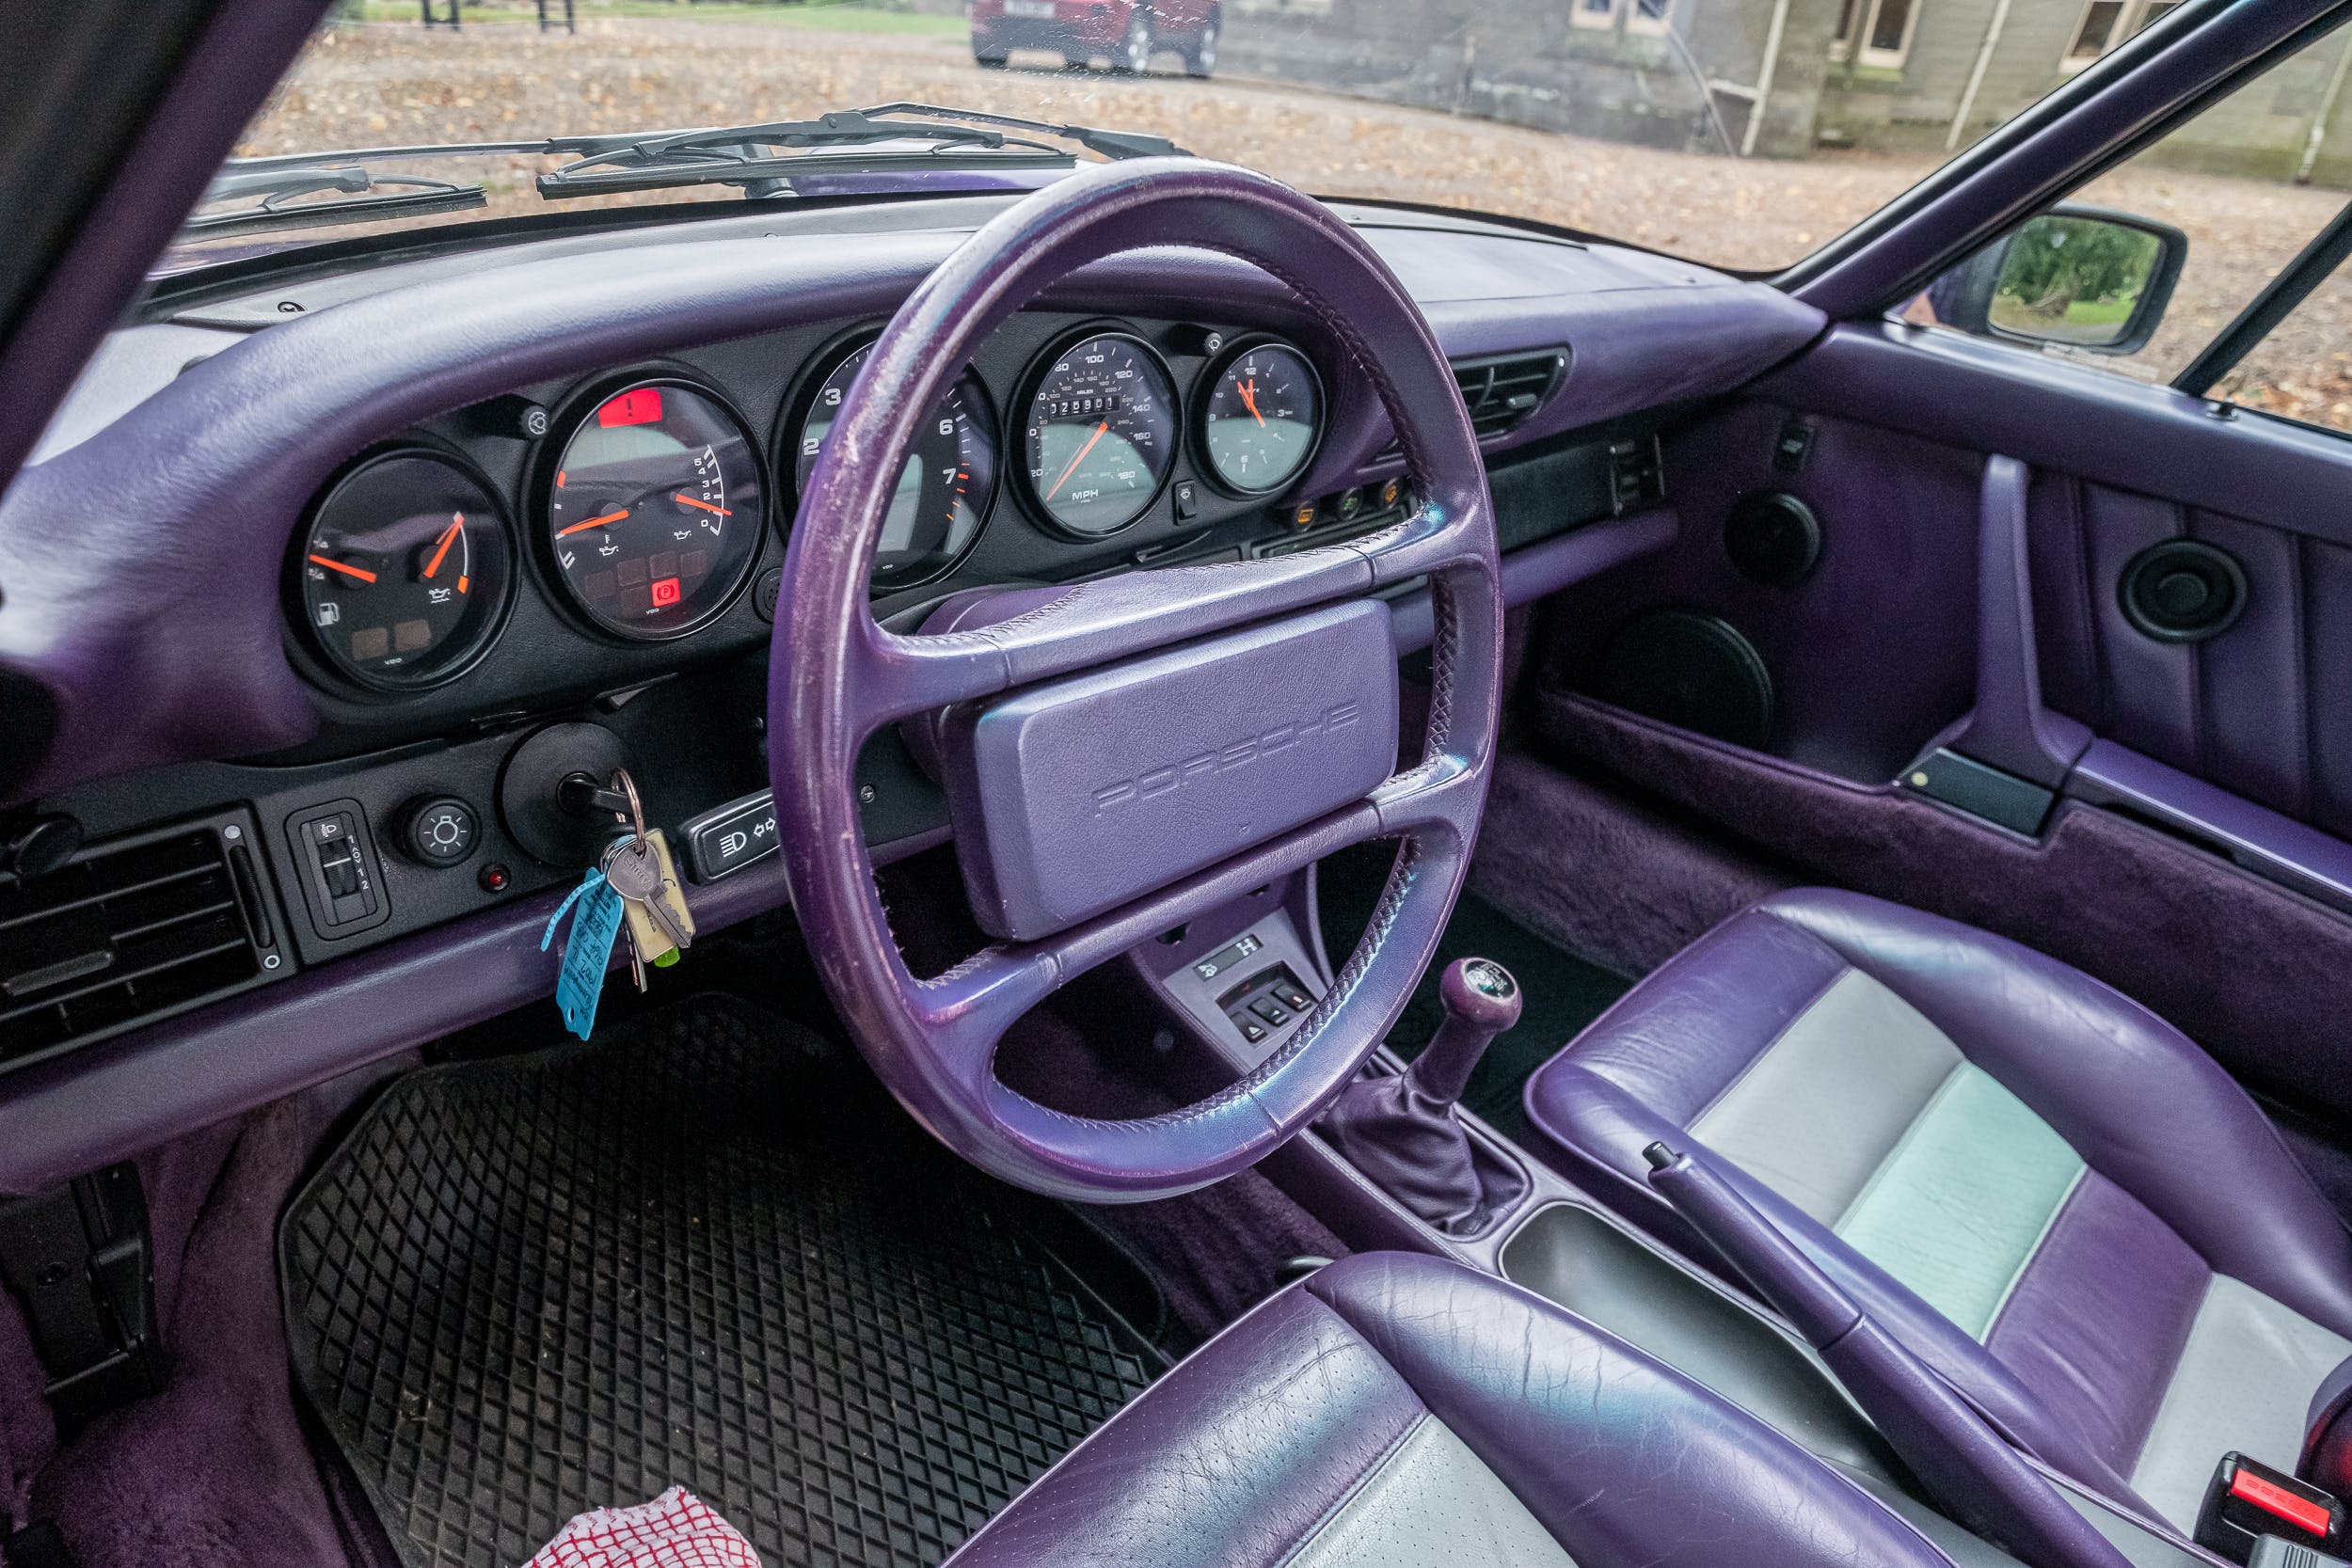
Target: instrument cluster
647	503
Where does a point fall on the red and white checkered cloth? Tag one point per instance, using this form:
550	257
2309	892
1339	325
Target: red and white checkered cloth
676	1530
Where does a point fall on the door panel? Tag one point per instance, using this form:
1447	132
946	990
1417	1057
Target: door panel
2197	857
2259	709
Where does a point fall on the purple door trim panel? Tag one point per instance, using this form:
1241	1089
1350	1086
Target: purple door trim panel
2255	836
2009	726
1989	397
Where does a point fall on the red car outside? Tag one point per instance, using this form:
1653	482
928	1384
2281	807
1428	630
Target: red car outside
1127	32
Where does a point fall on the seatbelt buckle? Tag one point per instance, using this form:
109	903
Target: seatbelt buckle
2248	1500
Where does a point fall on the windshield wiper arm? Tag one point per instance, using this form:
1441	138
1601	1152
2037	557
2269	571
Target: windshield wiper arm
1110	144
374	197
737	155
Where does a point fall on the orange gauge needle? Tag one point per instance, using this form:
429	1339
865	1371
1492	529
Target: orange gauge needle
1248	390
593	522
363	574
689	501
1080	458
449	534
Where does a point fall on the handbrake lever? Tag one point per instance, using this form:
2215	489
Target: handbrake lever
1969	1470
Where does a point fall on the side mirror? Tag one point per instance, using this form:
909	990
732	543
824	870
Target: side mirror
2081	278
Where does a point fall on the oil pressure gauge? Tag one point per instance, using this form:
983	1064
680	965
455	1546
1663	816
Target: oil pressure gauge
404	571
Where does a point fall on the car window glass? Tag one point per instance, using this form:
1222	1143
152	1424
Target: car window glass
2249	182
1738	132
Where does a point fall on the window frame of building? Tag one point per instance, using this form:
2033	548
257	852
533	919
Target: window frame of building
1584	13
2133	17
1853	43
1638	19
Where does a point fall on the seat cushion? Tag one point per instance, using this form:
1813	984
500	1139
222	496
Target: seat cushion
1406	1412
2054	1197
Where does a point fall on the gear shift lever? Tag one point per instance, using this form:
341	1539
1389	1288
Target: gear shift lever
1402	1131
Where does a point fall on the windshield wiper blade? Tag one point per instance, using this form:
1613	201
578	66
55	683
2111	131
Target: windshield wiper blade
739	156
374	197
1110	144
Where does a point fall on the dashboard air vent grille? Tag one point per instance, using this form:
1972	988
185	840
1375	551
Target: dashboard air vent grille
1502	392
131	930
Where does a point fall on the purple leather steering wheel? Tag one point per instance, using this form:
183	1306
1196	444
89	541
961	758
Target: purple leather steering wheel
836	677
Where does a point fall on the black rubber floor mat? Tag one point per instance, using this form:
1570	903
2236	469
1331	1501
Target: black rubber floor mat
530	1286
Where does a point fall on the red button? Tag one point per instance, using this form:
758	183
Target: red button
665	591
2277	1500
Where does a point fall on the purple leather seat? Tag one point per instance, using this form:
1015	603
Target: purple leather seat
2057	1199
1405	1411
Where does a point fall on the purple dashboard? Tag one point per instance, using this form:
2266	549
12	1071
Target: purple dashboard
592	448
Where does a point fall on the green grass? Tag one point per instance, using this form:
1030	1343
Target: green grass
815	16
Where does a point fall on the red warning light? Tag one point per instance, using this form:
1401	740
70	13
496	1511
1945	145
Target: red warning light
665	591
638	405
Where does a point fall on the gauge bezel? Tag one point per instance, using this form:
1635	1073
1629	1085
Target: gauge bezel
784	458
1204	387
571	415
1033	377
296	609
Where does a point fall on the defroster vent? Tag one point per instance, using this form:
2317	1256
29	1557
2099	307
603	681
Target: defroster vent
135	927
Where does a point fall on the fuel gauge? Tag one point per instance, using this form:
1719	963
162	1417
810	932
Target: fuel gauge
404	571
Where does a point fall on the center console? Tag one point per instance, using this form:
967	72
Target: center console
1541	1231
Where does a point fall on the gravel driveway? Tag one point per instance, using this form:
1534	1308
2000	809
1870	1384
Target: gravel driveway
387	83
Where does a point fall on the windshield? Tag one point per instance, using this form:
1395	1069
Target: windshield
1661	122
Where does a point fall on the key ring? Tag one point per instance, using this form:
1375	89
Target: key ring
635	820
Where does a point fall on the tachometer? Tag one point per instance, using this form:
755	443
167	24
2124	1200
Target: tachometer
1101	433
1262	417
654	514
404	571
944	489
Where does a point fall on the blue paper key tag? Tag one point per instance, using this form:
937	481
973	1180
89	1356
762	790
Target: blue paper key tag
596	911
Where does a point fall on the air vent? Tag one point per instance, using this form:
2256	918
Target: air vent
133	928
1502	390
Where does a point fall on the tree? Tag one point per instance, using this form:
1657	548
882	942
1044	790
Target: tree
2054	261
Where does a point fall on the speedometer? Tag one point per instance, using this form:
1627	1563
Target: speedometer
654	513
1101	433
944	487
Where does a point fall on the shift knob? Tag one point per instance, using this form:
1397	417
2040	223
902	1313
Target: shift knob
1481	1000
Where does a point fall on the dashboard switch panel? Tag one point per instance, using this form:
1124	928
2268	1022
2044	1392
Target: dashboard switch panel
335	859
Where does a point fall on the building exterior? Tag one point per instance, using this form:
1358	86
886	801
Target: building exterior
1890	76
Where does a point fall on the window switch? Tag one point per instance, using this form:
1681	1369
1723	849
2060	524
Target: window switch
1271	1010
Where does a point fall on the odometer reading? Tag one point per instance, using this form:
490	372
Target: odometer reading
1101	433
1261	419
944	487
654	515
404	571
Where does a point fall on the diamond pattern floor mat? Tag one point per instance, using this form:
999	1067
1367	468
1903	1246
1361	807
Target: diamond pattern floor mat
530	1286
